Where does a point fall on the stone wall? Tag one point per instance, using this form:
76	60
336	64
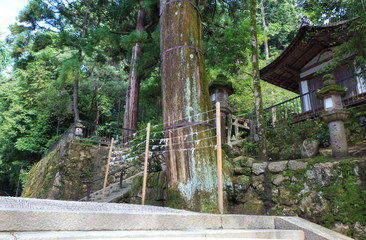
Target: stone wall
325	191
60	174
156	190
329	192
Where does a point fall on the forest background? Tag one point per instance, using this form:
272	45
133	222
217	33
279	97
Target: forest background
56	43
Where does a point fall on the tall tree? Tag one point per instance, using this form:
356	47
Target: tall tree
191	175
266	49
133	89
257	84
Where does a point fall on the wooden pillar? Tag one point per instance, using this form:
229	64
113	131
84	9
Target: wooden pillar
107	169
219	158
146	163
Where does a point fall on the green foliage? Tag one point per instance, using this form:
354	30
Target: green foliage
88	172
4	56
285	139
282	19
251	147
355	124
70	69
242	100
150	101
348	198
51	141
51	47
321	12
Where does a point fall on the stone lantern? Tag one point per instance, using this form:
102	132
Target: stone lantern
334	114
78	131
220	90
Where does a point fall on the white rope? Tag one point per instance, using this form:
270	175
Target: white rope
154	133
190	134
182	127
186	149
181	143
198	114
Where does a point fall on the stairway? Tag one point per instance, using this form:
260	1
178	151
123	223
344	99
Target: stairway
22	219
118	161
113	191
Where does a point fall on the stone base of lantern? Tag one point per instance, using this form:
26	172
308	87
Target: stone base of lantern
338	140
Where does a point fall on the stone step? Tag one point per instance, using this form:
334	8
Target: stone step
39	215
198	234
112	191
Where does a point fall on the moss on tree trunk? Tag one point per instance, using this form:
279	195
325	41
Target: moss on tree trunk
192	175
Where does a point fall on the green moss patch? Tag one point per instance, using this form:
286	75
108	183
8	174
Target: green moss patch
331	88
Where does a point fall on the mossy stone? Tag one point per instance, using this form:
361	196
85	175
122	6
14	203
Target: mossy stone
328	79
243	171
255	207
331	90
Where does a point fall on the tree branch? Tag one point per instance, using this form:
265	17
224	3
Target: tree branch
250	87
119	33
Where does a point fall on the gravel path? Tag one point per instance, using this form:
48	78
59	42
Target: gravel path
8	203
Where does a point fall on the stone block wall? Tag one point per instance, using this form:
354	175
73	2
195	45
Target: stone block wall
325	191
60	174
156	190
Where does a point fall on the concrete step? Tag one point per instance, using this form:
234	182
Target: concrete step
30	216
198	234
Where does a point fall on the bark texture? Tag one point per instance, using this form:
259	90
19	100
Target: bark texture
192	175
266	49
133	89
257	84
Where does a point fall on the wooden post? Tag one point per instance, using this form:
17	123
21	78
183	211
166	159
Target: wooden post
107	170
145	165
219	157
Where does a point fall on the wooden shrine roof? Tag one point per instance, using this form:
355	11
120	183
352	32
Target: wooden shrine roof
284	71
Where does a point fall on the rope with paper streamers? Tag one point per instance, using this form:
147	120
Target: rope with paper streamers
187	135
174	136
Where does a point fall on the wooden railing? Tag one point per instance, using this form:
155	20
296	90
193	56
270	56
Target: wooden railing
298	109
308	105
235	126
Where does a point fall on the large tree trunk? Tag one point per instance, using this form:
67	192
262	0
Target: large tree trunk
266	49
257	84
133	89
192	174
